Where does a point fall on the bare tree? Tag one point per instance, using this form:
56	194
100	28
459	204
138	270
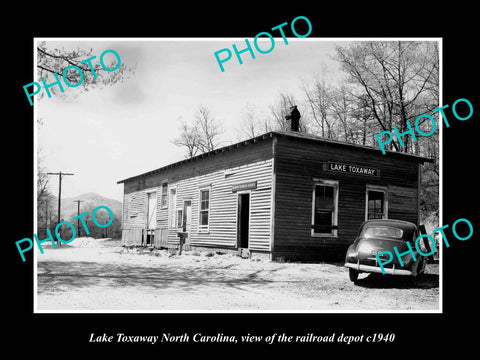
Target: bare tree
266	125
278	110
45	200
51	60
396	81
249	126
189	138
42	178
341	110
253	123
318	99
394	77
210	130
362	120
202	135
431	78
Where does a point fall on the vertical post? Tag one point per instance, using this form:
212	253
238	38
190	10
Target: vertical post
59	191
78	214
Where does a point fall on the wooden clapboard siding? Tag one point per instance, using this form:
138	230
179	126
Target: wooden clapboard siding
260	201
298	162
229	157
161	238
162	214
401	201
261	217
134	210
132	237
134	218
223	206
281	205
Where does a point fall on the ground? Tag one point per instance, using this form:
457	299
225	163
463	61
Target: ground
91	274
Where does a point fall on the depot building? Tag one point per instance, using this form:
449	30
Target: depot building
279	195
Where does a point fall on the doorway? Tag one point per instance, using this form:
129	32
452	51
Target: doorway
187	218
151	218
243	220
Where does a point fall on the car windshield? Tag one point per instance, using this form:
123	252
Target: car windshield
382	231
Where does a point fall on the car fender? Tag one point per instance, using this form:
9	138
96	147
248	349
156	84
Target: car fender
350	250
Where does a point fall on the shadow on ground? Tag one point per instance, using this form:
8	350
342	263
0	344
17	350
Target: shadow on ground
54	276
423	281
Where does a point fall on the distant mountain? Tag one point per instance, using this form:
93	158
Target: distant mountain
89	201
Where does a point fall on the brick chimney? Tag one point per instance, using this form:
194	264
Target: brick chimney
294	116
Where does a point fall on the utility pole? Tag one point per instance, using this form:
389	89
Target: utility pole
78	213
60	175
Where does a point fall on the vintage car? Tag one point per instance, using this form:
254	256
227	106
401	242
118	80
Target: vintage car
376	236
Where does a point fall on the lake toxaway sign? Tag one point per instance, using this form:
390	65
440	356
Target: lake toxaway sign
352	169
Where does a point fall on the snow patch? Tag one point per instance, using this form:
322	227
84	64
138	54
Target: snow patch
87	242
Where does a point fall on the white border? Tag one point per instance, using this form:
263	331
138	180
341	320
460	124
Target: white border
439	40
440	176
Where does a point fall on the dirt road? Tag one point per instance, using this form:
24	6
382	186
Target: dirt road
101	275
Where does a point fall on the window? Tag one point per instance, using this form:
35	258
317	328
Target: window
204	206
383	231
173	207
375	205
164	199
179	219
376	202
325	208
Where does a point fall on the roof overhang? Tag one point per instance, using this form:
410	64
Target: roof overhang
271	134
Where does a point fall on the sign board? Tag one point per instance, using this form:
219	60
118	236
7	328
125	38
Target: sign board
244	186
352	169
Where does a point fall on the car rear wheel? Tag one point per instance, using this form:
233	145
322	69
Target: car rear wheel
353	274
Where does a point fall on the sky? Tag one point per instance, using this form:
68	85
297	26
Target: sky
109	134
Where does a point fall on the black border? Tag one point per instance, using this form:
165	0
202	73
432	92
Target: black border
66	334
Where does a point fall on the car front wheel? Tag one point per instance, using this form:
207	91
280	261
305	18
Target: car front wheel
353	274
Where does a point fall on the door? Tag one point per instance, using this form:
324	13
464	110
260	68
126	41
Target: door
243	220
187	218
151	217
